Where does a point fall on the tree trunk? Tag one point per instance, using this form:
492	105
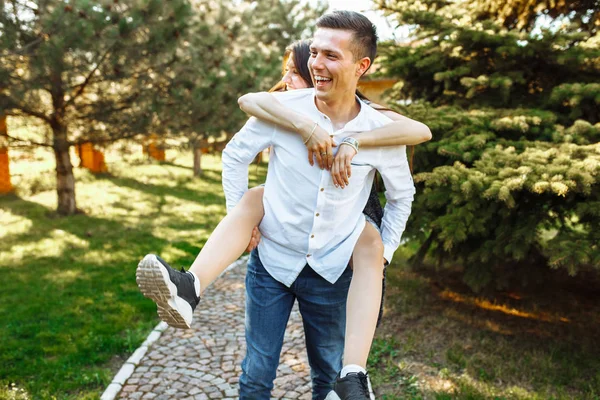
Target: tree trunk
197	160
65	181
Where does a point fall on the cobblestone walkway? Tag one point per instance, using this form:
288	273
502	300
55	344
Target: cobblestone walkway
204	362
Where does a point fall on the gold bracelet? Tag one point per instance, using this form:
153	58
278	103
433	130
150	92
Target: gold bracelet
311	133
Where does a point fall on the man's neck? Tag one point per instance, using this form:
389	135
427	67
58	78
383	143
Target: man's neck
340	111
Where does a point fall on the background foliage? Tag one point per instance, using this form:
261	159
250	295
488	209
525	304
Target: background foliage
510	181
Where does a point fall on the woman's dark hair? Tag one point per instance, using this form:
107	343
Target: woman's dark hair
300	52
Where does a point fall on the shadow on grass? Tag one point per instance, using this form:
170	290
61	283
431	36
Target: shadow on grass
457	345
69	301
181	192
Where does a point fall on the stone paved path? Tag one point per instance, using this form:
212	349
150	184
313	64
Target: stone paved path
204	362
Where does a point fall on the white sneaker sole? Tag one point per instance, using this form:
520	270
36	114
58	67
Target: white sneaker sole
154	283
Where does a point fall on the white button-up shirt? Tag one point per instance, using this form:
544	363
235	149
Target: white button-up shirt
307	219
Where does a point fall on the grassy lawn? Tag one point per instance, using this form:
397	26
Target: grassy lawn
439	341
71	311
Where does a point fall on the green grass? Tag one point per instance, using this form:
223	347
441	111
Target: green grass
440	341
70	308
71	312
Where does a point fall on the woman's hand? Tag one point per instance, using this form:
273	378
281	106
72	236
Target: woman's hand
319	146
341	169
254	239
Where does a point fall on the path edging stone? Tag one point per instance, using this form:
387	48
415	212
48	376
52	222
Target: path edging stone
114	388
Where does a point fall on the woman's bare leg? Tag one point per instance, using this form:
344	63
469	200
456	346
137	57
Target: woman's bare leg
230	238
364	296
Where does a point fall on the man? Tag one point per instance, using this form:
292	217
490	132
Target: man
310	226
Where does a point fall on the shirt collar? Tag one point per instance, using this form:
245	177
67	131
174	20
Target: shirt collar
352	125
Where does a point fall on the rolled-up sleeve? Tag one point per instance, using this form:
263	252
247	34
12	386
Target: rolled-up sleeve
254	137
399	194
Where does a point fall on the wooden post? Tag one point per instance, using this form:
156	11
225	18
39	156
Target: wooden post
91	158
98	165
5	185
154	148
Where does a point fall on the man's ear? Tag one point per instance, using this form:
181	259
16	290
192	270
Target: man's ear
362	66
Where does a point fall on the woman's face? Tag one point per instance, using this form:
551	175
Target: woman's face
292	78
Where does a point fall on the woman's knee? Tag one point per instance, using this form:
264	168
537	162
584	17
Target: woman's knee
252	201
368	251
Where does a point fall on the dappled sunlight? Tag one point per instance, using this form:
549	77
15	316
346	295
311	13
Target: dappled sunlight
52	246
47	199
170	252
15	224
13	392
487	305
105	256
478	322
62	276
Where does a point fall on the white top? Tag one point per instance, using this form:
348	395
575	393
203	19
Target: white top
307	219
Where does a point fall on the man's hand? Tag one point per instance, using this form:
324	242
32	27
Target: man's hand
254	239
341	170
319	146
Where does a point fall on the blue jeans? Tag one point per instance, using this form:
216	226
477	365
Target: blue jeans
268	307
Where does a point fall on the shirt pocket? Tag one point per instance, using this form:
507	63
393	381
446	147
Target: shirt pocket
359	174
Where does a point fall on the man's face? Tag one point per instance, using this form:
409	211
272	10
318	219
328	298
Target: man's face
332	66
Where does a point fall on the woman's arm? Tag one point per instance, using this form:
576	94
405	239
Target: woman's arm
402	131
266	107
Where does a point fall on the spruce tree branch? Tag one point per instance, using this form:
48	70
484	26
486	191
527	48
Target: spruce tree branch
104	140
89	77
15	106
28	143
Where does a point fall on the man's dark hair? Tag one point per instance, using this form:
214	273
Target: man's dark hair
364	32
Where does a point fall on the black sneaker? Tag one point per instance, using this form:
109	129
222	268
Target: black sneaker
354	386
173	291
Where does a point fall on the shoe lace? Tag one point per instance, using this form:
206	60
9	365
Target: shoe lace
364	384
362	391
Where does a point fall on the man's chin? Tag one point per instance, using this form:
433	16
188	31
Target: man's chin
322	95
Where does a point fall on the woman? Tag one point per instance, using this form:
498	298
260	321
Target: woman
238	230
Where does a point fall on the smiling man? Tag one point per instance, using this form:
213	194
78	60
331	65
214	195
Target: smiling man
310	226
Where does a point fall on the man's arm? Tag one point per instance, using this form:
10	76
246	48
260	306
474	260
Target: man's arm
254	137
399	194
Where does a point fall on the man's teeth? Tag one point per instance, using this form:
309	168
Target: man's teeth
322	79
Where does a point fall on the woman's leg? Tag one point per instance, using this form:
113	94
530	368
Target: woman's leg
364	296
230	238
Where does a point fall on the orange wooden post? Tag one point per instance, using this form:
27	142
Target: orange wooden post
154	148
91	158
98	164
86	154
5	185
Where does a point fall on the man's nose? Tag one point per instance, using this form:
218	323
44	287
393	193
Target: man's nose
317	62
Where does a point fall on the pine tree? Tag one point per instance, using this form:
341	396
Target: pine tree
99	71
232	49
89	71
510	183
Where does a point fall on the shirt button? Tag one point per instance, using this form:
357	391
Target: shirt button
312	236
322	189
308	255
317	214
